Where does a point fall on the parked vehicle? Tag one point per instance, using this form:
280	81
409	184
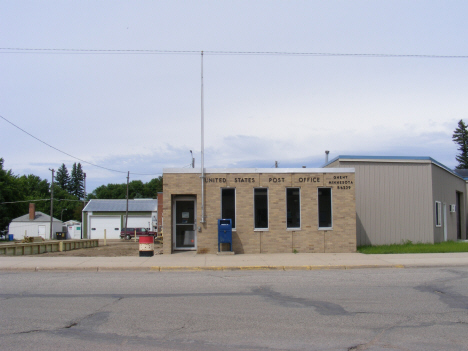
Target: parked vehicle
128	233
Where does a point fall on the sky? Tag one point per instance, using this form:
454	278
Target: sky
133	110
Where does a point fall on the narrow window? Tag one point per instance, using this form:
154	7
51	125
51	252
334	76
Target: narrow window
228	205
438	214
261	208
293	208
325	208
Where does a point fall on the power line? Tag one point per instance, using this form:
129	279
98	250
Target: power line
217	52
16	202
65	153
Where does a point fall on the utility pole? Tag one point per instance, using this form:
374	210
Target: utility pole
126	212
84	205
51	202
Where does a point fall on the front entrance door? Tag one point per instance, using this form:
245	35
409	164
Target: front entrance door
185	237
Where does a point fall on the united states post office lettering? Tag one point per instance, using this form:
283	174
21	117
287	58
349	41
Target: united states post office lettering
309	179
215	180
244	180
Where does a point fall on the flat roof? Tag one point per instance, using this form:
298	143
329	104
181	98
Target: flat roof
258	170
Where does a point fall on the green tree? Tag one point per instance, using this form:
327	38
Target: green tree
16	192
34	188
136	189
9	192
460	137
63	178
77	181
109	191
153	187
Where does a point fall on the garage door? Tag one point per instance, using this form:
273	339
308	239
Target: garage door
138	222
111	224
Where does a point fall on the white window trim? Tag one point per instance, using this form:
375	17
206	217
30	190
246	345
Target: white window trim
300	210
268	210
235	205
331	209
438	214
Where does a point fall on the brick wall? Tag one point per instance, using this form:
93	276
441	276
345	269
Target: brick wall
277	239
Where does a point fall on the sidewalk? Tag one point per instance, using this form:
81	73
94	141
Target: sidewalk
190	261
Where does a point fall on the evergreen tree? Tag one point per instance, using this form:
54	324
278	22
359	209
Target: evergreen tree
77	181
62	178
80	181
460	136
72	186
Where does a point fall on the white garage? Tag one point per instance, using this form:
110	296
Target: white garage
109	215
138	222
111	224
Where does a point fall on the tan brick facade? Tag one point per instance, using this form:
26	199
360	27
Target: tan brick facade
277	239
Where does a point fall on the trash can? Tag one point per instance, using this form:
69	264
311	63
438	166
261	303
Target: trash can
60	235
146	245
10	237
224	233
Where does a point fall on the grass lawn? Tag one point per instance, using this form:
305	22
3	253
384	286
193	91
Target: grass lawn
409	247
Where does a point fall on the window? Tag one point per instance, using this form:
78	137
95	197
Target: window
261	208
325	208
293	208
228	205
438	214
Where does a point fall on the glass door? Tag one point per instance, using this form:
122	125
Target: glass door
185	237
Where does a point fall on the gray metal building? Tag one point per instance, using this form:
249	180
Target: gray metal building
405	198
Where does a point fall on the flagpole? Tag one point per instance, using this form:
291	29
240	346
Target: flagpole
202	149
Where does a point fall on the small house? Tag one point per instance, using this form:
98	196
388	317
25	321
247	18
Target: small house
35	223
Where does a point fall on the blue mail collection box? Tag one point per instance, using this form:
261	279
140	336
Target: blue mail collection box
224	232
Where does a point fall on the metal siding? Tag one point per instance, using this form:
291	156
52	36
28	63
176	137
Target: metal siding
444	188
334	164
395	200
392	201
138	221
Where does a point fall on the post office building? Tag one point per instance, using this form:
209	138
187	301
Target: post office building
272	210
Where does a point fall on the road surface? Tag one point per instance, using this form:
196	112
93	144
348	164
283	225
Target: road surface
360	309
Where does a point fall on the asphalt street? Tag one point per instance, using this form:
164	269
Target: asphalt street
360	309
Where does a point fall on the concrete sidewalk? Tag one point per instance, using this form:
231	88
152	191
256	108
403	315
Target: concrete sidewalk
190	261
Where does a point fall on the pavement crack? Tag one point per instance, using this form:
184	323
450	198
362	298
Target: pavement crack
95	317
322	307
30	331
368	344
176	330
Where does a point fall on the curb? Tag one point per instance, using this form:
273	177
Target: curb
193	269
